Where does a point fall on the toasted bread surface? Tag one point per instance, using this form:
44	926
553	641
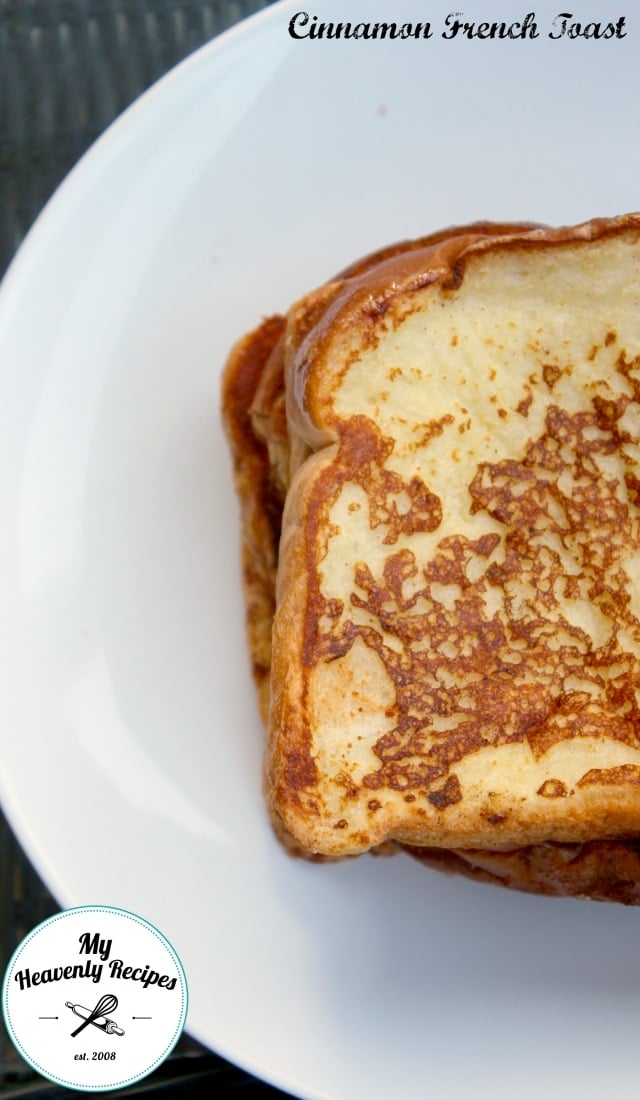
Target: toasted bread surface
456	640
250	369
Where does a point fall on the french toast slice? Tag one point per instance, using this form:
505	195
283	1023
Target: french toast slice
456	640
457	632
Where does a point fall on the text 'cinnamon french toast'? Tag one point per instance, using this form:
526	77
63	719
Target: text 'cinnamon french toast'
438	455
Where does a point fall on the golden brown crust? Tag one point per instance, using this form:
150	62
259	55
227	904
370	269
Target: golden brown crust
260	502
380	294
597	870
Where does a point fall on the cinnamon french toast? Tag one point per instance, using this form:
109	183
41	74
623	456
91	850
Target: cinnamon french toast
437	454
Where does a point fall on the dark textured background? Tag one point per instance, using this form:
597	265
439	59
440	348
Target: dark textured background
67	69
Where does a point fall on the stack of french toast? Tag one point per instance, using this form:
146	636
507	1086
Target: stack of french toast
437	455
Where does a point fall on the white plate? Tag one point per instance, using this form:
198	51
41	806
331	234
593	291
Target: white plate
129	735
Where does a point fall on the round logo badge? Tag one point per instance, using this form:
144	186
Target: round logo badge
95	998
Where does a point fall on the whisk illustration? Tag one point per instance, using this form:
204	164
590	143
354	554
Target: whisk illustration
98	1016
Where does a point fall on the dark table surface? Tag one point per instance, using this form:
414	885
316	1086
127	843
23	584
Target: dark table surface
67	69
